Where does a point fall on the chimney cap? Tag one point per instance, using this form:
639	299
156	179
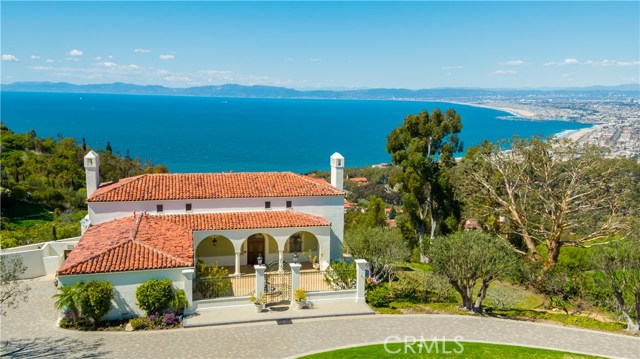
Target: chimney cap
92	154
337	156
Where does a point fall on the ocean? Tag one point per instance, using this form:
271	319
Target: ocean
207	134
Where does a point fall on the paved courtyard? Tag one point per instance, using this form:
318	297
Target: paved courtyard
30	332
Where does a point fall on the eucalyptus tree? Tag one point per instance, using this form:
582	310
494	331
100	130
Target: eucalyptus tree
423	147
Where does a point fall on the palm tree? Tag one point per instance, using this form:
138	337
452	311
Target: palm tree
68	298
179	302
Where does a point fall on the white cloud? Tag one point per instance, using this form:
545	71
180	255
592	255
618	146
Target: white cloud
9	57
177	78
515	63
108	64
49	61
41	68
505	72
34	57
141	51
568	61
76	52
315	60
167	57
613	63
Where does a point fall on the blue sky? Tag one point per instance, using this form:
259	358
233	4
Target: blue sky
334	45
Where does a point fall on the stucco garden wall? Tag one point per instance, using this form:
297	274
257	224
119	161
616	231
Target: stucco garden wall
124	287
41	259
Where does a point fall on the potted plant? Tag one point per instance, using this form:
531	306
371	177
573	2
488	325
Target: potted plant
258	302
300	297
313	259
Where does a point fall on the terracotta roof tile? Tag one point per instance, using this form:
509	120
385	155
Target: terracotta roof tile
152	187
246	220
131	243
165	241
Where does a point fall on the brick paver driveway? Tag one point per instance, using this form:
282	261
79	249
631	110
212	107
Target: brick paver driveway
30	332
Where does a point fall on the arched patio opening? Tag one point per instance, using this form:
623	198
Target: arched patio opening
307	248
216	250
261	245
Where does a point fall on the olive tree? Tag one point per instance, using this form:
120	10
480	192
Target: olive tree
618	270
468	258
13	291
381	247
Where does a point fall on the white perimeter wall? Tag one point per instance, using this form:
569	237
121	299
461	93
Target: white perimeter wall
41	261
124	287
329	207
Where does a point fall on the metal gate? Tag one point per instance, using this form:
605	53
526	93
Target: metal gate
277	284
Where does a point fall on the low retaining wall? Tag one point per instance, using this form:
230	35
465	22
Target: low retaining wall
41	259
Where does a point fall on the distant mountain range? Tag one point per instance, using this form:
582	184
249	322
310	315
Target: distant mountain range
232	90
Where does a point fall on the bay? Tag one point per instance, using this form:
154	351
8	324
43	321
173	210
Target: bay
209	134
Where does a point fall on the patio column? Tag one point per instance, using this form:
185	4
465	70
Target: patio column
259	279
188	289
280	260
360	279
237	273
295	280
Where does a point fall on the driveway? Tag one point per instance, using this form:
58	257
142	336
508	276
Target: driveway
30	332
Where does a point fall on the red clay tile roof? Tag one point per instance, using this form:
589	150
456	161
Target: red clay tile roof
165	241
131	243
153	187
246	220
358	179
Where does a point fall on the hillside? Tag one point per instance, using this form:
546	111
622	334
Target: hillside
43	185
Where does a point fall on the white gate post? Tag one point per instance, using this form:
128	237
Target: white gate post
360	279
295	280
259	280
188	289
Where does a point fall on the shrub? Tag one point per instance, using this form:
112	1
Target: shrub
341	275
299	295
169	319
155	295
179	301
140	324
95	300
379	296
156	319
211	280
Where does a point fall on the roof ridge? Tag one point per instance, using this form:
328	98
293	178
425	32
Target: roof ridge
137	227
308	179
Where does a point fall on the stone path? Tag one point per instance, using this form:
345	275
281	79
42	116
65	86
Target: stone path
30	332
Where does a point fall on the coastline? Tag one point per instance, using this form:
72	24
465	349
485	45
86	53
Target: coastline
573	135
519	113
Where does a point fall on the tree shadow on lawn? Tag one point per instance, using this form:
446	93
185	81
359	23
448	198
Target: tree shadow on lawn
52	348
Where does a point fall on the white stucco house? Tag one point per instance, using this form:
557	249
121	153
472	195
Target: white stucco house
161	225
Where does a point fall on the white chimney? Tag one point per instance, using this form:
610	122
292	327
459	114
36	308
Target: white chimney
92	170
337	170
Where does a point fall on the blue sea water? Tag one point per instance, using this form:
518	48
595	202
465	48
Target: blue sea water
206	134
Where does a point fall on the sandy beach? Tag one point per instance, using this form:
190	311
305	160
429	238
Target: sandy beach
520	113
578	135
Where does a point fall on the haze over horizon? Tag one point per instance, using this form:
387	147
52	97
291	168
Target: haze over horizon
323	45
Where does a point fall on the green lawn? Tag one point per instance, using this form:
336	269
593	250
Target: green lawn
444	350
